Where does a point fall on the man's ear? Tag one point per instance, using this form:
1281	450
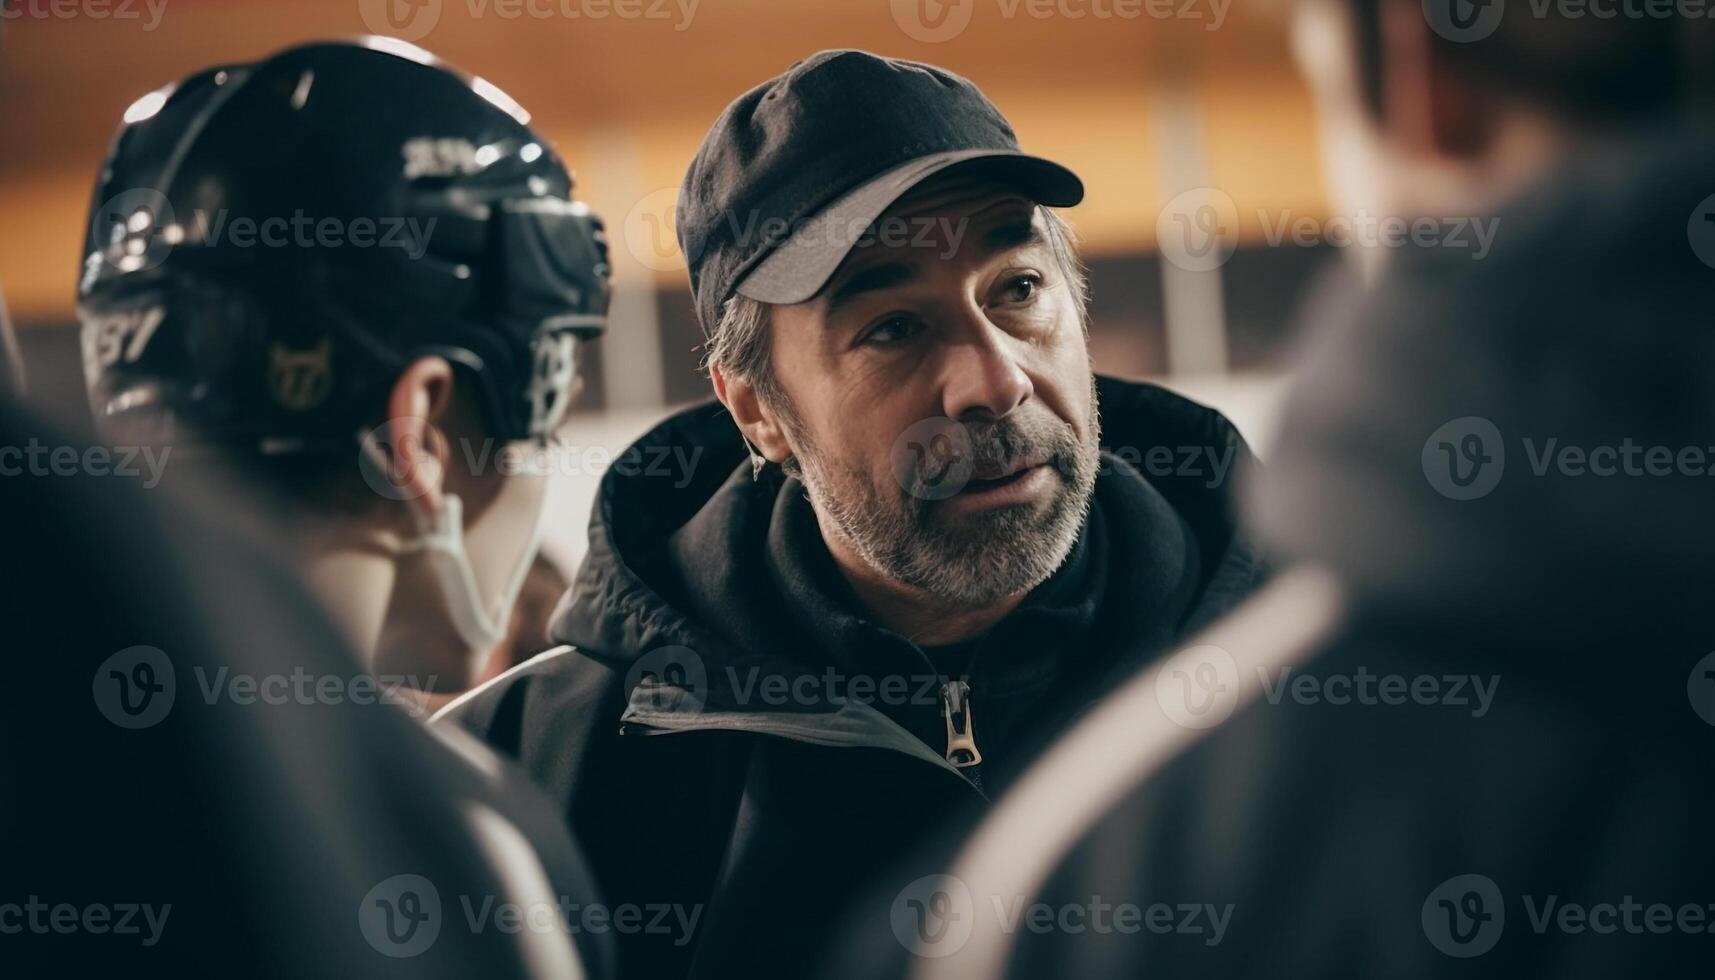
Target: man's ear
754	419
418	402
1430	105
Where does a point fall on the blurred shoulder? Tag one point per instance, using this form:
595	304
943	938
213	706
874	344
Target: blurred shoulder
535	700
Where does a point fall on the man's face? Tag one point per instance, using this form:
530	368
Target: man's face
940	403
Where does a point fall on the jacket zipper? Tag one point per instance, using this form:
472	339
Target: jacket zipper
961	756
962	749
765	726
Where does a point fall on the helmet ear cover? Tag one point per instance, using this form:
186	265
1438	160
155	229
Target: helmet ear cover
548	283
531	274
554	262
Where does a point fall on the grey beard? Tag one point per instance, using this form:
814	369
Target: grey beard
988	557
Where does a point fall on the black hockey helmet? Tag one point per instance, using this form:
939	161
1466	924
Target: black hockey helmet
271	243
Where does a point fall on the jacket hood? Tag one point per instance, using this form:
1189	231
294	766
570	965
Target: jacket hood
634	592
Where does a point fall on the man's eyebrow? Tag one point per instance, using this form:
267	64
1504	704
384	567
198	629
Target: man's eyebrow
1019	232
876	277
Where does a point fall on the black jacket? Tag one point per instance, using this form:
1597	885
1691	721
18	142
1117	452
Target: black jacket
1532	795
736	745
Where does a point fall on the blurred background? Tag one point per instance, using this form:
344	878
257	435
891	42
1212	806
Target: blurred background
1146	99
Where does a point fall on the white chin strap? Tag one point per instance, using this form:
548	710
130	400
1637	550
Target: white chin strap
441	540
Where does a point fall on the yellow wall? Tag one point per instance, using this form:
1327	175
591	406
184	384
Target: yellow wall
627	102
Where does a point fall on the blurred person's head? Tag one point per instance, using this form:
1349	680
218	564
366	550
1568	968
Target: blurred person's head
910	342
1439	107
356	279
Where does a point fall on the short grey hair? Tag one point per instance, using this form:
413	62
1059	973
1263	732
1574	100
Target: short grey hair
740	348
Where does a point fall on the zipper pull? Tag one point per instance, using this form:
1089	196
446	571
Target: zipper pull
961	735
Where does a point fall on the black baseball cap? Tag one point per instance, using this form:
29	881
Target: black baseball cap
795	170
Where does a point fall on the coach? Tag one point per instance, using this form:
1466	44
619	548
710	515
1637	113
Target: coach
915	546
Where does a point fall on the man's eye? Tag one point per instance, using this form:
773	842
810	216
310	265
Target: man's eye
892	330
1020	289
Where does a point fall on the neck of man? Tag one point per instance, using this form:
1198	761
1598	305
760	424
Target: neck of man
353	577
381	604
921	617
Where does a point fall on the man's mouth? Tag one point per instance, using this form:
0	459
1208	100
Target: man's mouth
1018	482
1003	478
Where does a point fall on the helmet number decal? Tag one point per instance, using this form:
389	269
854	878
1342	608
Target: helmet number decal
445	157
109	338
300	379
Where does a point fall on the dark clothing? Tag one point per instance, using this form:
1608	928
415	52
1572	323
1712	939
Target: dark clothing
1340	832
796	746
259	816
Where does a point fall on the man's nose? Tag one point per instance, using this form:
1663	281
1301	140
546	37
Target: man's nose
982	372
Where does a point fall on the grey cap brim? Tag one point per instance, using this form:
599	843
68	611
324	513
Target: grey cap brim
798	269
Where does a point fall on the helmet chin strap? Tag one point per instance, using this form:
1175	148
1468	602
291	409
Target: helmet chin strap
440	539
